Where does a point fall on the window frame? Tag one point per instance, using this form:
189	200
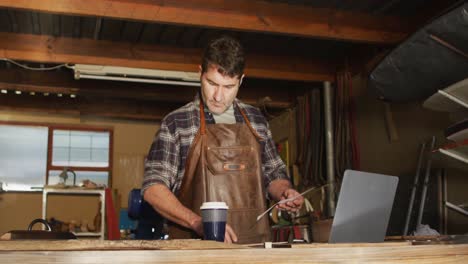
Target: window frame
86	128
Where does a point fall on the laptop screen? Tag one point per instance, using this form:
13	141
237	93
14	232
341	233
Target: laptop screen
364	207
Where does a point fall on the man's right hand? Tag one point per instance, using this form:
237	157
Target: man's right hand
229	236
197	226
167	204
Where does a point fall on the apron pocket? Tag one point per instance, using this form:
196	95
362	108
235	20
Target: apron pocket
230	160
232	176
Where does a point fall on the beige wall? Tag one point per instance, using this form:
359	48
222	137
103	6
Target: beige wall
131	144
413	123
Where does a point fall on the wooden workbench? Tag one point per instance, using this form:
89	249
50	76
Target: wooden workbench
195	251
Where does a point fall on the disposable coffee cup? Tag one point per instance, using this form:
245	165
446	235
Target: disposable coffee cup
214	215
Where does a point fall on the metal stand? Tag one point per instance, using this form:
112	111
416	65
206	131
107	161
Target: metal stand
426	182
327	96
413	189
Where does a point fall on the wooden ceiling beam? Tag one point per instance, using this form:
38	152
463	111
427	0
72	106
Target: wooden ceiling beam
62	82
243	15
81	107
49	49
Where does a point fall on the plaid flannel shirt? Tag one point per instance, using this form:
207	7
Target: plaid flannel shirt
165	162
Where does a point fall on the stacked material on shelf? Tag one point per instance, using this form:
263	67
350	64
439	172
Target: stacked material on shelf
458	131
453	155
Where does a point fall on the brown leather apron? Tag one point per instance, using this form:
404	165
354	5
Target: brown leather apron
224	164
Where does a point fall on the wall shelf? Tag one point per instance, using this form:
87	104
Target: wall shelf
455	156
454	98
78	191
451	99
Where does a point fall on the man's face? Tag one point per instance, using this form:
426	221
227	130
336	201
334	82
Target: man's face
218	91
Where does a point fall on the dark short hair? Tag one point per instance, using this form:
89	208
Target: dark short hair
227	54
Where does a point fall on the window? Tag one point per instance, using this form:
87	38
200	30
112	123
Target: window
86	153
23	157
34	156
80	148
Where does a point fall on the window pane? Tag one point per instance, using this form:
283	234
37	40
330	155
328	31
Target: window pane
100	141
62	154
98	177
100	155
81	148
78	140
80	154
62	140
23	156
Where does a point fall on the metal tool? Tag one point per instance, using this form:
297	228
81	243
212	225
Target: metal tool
290	199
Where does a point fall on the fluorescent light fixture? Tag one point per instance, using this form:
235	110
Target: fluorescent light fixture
59	95
126	74
17	92
4	91
72	96
131	79
32	93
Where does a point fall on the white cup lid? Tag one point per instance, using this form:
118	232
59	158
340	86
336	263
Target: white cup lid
214	205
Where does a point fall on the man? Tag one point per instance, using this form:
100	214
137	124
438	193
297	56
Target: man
217	148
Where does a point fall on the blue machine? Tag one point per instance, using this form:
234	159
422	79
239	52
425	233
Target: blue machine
150	223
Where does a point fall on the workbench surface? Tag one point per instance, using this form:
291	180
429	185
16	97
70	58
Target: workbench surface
196	251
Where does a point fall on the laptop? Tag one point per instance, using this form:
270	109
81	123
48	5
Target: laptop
364	206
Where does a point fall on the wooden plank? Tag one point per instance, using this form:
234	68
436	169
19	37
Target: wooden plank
362	254
338	245
40	48
244	15
417	238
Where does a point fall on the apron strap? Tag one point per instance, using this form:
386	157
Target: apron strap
202	118
248	124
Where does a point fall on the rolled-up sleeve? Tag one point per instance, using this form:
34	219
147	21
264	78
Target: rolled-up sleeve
273	166
163	159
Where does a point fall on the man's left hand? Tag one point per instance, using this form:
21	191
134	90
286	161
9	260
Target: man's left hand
291	206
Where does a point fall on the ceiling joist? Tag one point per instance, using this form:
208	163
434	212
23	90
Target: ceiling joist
242	15
49	49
